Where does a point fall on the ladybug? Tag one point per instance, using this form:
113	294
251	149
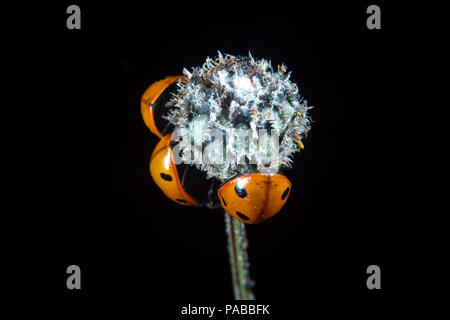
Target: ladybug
152	104
254	197
250	198
165	173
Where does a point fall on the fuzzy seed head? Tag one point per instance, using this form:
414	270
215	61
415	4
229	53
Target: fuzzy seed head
238	97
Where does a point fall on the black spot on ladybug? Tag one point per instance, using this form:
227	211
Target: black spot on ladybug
166	177
224	202
242	216
181	200
285	193
241	192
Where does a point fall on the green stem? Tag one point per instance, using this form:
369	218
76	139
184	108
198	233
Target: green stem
237	249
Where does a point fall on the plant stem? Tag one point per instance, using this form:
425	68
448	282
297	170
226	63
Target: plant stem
237	249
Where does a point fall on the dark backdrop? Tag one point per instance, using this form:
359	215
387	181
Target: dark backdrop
104	213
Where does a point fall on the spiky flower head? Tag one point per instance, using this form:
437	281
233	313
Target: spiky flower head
239	98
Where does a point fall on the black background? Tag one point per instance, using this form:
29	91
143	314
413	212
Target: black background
103	212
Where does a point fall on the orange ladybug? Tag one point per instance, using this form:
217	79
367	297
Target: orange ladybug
254	197
182	183
152	101
250	198
165	174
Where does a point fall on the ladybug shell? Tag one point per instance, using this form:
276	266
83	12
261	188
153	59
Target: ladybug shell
254	197
165	174
153	101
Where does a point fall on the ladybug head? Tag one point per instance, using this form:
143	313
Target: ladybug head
254	197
